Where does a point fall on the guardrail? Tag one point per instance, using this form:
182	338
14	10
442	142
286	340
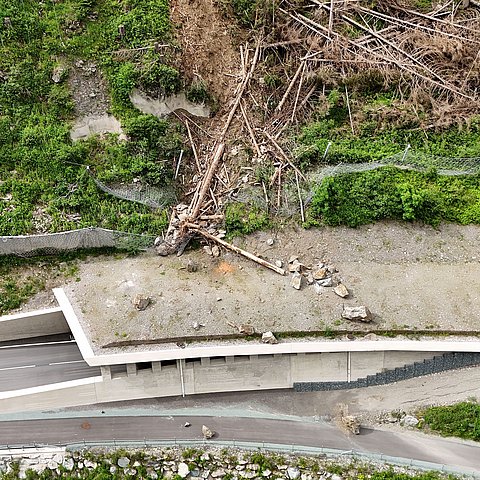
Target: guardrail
263	446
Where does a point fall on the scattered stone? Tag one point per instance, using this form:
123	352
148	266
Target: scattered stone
326	282
58	457
141	302
123	462
270	242
269	337
196	325
113	469
319	289
215	251
336	477
279	263
293	473
183	469
220	472
341	290
68	464
52	465
295	266
320	274
208	250
246	329
292	258
187	424
192	266
266	473
90	465
409	421
58	73
249	475
207	433
361	313
370	336
296	281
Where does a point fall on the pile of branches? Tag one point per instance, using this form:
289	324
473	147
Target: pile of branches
436	52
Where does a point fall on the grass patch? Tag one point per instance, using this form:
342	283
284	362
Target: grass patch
241	219
460	420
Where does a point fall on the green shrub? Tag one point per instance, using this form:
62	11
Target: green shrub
241	219
459	420
161	77
391	193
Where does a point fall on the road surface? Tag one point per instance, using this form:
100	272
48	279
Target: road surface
32	365
406	444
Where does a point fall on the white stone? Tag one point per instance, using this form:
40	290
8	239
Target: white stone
183	469
293	473
123	462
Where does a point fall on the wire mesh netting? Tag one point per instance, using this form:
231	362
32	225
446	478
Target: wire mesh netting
52	243
148	195
288	203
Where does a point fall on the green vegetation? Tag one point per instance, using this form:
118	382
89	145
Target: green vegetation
241	219
459	420
43	182
390	193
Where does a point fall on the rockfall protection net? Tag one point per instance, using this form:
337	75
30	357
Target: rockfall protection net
52	243
153	197
289	200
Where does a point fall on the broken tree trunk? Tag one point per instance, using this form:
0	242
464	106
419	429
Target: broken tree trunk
235	249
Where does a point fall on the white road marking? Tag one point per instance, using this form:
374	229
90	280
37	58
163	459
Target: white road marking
37	344
14	368
65	363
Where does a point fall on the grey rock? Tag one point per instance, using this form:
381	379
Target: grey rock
130	471
326	282
90	465
336	477
58	457
249	474
183	469
293	473
266	473
295	266
141	302
269	337
318	288
58	73
279	263
192	266
361	313
220	472
296	281
113	469
246	329
341	290
409	421
215	251
68	464
208	250
205	474
207	433
320	274
204	457
123	462
52	465
270	241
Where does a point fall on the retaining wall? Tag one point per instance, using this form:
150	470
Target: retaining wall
442	363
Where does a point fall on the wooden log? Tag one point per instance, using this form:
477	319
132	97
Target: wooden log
235	249
207	179
199	168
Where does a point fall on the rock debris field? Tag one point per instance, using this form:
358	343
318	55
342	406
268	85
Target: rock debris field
408	276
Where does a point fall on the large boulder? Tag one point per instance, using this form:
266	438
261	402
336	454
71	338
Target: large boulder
361	313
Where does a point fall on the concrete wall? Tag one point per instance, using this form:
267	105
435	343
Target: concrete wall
225	374
33	324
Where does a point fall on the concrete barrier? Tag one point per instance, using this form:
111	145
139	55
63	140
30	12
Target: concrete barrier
38	323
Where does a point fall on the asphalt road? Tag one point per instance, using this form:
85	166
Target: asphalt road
32	365
409	445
